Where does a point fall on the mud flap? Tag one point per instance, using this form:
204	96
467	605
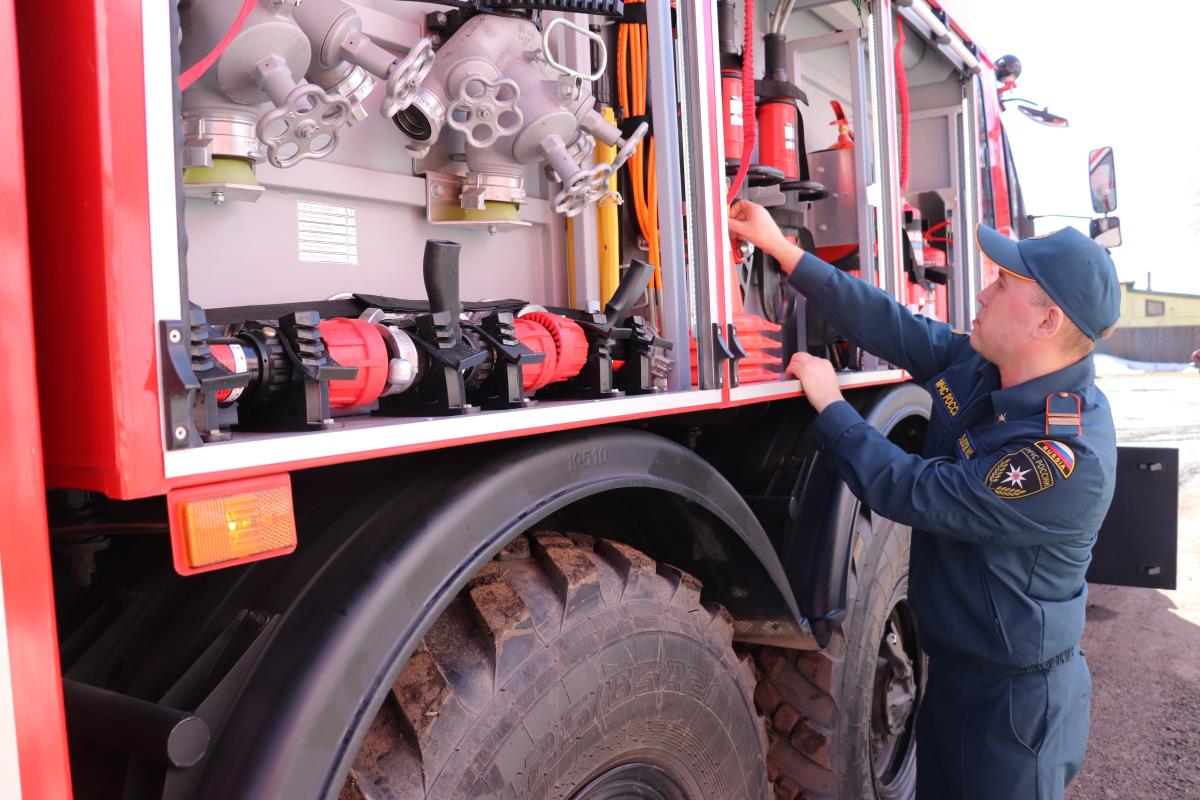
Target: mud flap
1138	541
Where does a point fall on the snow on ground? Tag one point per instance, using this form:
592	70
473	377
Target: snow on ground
1111	365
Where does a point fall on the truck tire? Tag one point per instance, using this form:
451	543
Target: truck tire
569	668
842	721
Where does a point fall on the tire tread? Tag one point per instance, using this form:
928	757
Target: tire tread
445	687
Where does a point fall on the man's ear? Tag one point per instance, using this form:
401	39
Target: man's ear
1053	320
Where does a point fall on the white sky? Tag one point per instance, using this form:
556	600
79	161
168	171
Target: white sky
1124	74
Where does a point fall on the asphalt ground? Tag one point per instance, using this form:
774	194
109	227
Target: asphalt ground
1143	645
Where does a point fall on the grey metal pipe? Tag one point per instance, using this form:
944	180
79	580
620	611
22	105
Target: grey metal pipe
166	735
888	148
664	107
779	19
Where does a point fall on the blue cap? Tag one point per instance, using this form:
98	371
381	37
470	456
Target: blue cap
1077	273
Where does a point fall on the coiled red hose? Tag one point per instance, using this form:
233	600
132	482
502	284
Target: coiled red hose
902	91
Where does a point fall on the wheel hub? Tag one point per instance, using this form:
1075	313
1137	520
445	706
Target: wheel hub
896	687
895	697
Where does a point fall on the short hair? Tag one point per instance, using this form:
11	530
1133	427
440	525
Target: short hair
1077	344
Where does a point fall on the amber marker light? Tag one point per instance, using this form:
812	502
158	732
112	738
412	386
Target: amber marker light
234	522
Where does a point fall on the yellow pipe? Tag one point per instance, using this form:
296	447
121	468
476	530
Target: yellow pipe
571	262
606	214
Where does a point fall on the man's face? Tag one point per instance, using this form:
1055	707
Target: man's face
1008	315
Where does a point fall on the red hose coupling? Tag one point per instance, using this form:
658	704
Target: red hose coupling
563	342
355	343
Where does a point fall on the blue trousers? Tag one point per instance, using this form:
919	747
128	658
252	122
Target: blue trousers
984	734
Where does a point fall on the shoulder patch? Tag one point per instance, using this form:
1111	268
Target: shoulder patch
1021	474
1061	456
1064	415
947	396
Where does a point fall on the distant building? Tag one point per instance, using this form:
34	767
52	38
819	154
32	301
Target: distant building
1155	326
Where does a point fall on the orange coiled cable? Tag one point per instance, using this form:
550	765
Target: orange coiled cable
632	83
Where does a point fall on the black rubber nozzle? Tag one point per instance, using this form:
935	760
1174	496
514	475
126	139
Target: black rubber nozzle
775	57
728	32
441	279
632	284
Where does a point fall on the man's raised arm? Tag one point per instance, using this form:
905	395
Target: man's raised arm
868	316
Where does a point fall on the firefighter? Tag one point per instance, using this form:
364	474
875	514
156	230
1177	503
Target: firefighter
1005	499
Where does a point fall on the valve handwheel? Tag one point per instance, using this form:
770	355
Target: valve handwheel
582	189
486	110
406	77
309	113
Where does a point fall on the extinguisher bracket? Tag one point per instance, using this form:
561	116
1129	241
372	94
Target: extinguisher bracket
505	385
595	379
306	402
443	391
210	419
637	375
180	385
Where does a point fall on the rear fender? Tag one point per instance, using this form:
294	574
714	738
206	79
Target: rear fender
375	580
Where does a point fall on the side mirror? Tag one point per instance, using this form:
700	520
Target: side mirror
1106	231
1044	117
1103	178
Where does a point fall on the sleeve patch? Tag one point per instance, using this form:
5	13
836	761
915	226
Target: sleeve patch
1020	474
1061	456
947	396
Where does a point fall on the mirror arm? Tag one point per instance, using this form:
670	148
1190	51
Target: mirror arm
1062	216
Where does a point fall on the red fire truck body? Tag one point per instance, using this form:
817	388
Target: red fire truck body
364	537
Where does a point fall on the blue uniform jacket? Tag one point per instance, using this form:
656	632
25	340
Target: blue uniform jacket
1006	497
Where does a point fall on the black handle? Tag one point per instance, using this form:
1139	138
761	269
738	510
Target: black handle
938	275
632	284
441	279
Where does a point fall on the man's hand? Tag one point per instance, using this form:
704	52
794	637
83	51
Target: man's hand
752	223
817	379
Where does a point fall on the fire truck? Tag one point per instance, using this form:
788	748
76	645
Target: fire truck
389	415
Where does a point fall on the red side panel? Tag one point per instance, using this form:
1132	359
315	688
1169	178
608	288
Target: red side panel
90	244
28	600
